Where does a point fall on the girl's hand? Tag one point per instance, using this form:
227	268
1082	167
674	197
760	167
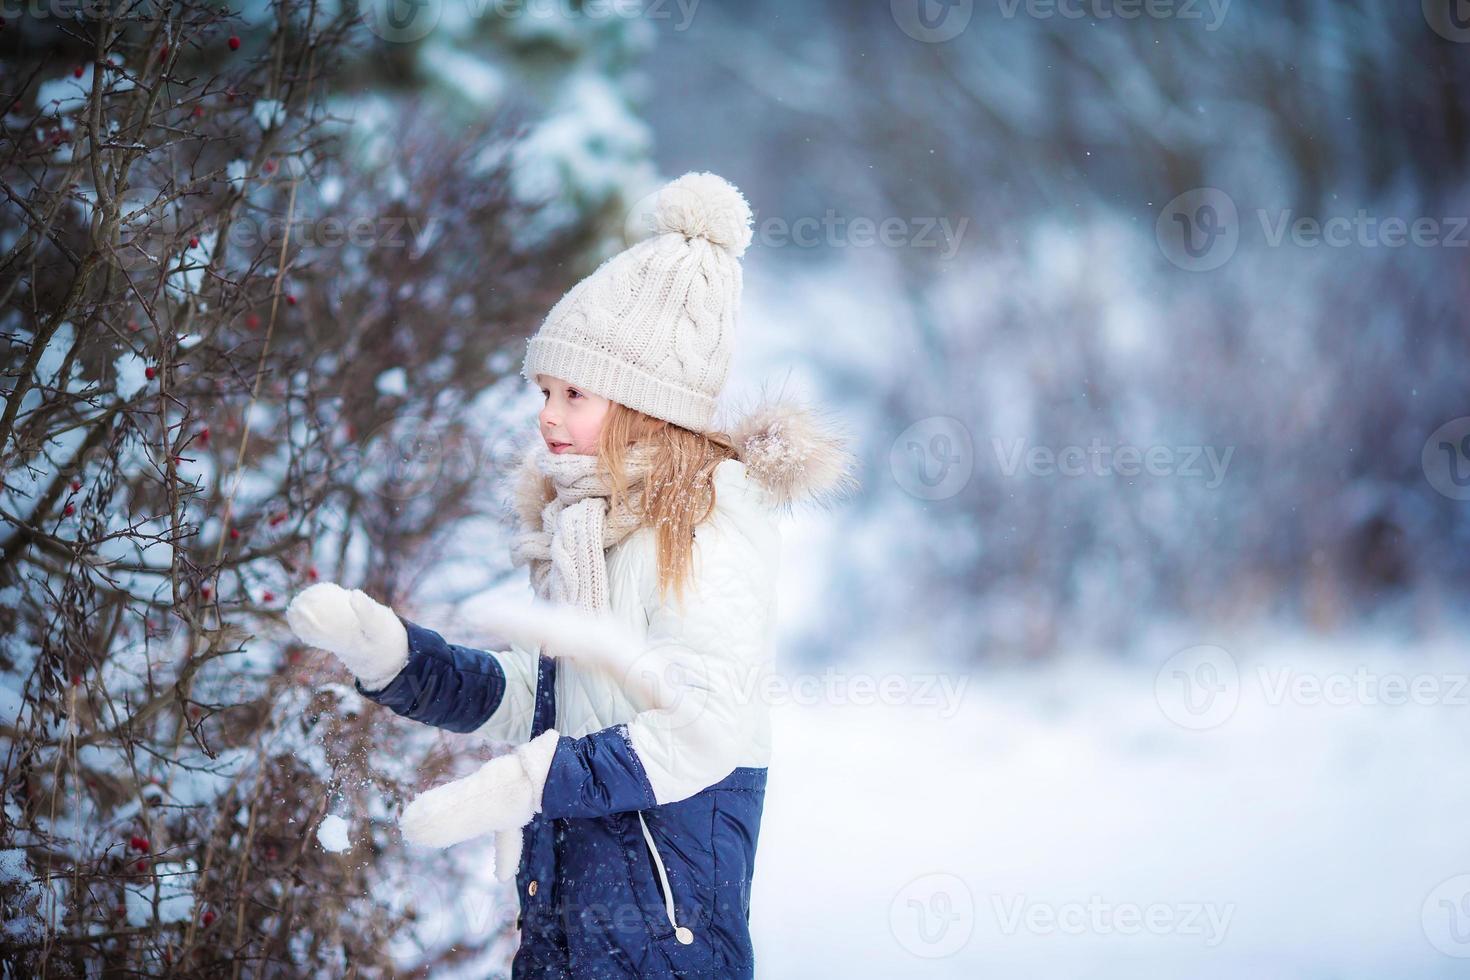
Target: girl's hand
502	795
366	635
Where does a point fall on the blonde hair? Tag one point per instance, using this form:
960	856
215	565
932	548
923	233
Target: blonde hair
679	491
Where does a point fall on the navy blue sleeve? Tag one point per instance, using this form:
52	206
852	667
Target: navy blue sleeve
444	685
596	775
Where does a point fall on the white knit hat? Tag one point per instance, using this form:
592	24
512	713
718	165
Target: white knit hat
653	327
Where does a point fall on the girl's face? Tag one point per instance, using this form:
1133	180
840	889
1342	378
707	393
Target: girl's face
571	419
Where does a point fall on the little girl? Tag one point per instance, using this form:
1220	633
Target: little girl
628	818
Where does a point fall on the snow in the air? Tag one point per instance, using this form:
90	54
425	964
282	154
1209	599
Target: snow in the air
332	834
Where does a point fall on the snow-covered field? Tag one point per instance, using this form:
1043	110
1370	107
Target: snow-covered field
1306	819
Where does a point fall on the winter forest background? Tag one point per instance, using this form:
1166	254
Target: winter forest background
1141	652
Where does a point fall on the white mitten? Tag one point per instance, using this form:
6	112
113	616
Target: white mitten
366	635
503	794
507	853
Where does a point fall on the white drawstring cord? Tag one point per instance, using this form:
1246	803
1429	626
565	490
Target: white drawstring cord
682	933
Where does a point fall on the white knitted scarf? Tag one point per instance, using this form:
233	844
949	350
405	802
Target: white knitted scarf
567	553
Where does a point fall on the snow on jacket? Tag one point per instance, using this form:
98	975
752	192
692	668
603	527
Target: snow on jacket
641	859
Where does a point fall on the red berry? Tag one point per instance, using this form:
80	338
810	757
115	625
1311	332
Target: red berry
209	913
69	510
76	485
252	321
138	843
198	111
149	373
78	71
234	43
204	436
267	596
277	518
270	166
311	573
76	680
194	242
141	865
205	591
194	711
234	534
290	299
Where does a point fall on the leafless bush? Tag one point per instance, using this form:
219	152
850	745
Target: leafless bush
234	323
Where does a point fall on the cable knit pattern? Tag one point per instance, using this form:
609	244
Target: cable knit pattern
568	551
653	327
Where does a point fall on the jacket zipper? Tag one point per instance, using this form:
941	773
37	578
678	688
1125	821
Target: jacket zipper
683	933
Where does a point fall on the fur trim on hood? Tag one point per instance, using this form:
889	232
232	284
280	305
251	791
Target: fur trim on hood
796	453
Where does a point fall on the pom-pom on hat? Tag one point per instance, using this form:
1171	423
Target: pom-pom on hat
653	327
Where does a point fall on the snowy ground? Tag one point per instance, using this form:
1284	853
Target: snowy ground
1085	821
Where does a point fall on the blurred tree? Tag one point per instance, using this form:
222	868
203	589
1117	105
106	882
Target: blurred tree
1061	320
